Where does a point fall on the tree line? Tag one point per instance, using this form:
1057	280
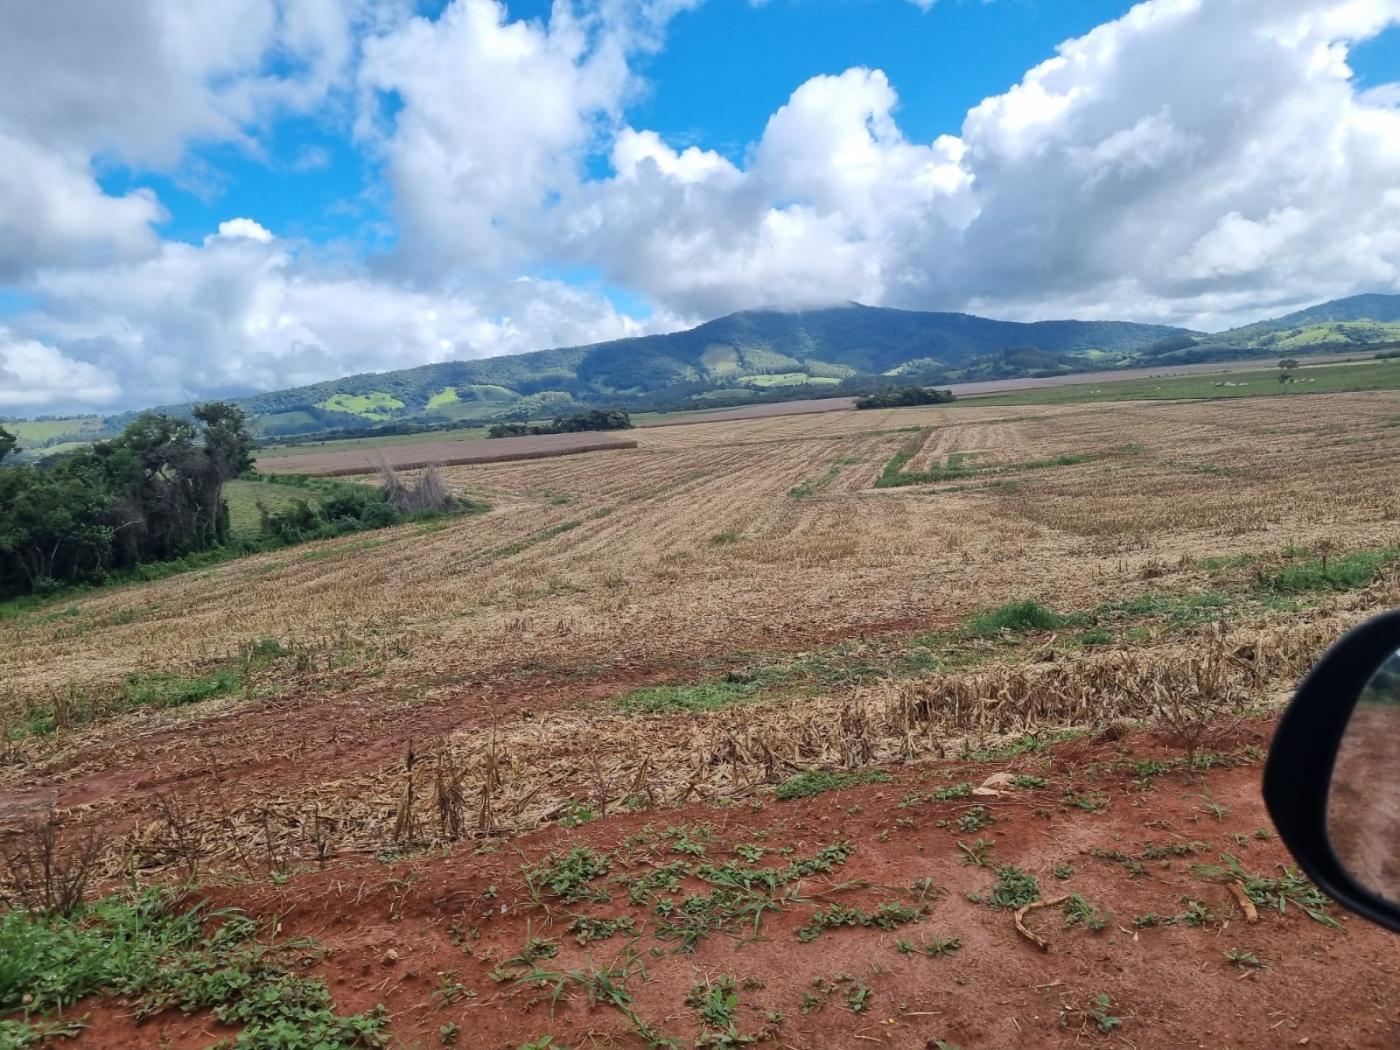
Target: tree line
598	419
154	495
906	397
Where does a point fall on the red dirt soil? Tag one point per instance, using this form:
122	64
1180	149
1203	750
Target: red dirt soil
391	929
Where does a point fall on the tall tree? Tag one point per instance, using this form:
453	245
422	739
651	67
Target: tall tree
7	443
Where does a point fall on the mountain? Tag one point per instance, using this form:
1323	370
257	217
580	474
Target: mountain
1338	324
739	357
767	355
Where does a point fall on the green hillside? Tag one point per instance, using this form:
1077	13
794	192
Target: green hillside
755	353
759	355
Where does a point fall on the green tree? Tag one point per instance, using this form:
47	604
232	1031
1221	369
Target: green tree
53	529
7	443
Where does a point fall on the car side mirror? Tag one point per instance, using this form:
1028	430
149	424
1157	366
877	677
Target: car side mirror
1332	780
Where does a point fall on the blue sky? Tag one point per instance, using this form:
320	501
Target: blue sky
270	192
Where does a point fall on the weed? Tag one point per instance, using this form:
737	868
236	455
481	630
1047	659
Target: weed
938	947
723	539
1197	913
159	955
1014	618
886	916
814	782
1079	912
665	699
1243	960
858	999
576	813
977	852
952	791
1089	801
975	819
1062	871
1025	780
566	875
449	1033
1013	888
1275	891
587	929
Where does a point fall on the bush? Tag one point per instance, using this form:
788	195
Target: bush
598	419
906	397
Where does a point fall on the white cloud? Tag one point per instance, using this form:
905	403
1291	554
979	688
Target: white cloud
246	312
137	83
35	375
253	231
1193	161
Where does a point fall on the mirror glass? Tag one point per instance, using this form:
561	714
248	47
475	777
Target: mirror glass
1363	808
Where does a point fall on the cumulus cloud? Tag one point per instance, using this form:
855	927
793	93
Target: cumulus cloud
245	311
137	83
33	374
1195	162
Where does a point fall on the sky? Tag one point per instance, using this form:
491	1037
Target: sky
201	201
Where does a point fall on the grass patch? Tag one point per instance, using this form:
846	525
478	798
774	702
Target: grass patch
812	486
667	699
814	782
158	954
957	466
1016	618
1341	573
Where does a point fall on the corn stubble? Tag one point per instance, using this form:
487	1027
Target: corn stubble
1122	498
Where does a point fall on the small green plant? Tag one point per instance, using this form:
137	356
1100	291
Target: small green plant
977	852
1098	1013
577	813
1014	618
1025	780
1197	913
938	947
667	699
951	792
814	782
1243	960
1089	801
1062	871
858	999
975	819
1079	912
566	875
728	536
1013	889
449	1033
587	929
886	916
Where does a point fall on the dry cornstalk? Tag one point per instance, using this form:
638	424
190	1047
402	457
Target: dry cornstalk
1020	918
1251	913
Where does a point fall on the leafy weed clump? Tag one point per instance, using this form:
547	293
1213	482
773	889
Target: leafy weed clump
814	782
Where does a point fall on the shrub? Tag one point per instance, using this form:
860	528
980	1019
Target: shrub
905	397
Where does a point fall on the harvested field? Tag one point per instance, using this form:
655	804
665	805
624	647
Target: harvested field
729	642
440	453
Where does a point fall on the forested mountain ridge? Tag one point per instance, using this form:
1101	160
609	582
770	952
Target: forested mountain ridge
741	356
757	355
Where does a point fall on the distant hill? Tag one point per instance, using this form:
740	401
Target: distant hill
1358	320
741	357
757	355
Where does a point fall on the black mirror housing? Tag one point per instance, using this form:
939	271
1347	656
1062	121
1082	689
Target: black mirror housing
1298	773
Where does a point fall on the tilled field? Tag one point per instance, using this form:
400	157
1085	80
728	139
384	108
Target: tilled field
667	635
